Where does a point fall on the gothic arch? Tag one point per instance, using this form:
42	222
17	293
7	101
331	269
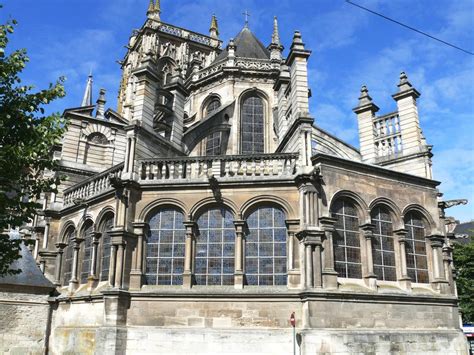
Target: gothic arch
248	206
394	210
362	208
430	223
207	202
162	202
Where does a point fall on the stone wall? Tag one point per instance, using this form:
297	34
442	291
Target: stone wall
23	325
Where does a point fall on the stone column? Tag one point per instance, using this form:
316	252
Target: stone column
402	272
439	281
239	254
93	277
59	263
74	282
136	275
119	265
329	272
369	277
188	254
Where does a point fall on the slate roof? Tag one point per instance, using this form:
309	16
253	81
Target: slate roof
30	276
247	46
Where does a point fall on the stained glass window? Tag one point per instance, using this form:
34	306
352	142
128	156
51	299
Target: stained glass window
383	251
213	144
165	248
106	246
212	107
68	257
265	247
252	126
87	253
346	240
215	245
417	264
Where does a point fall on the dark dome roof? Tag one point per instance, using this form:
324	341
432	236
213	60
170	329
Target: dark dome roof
247	46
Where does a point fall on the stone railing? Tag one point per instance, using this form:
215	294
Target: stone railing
388	138
192	168
254	64
192	36
92	186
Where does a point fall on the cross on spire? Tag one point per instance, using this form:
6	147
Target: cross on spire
247	15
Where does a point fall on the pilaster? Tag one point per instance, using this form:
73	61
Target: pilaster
59	263
403	279
294	256
122	250
369	276
439	282
329	273
76	245
93	278
312	240
136	275
365	112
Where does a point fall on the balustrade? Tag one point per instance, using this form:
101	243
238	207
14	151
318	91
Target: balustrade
92	186
265	165
387	133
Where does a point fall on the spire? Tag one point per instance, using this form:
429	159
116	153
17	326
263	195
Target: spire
87	99
405	88
214	29
275	35
404	84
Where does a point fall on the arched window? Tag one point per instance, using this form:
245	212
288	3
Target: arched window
86	252
96	147
215	246
213	144
265	247
417	265
383	250
212	106
107	226
252	125
68	256
346	240
165	248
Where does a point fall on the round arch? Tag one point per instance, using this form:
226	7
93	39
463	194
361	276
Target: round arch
393	209
157	204
64	229
256	201
430	223
84	222
362	207
103	214
207	202
211	97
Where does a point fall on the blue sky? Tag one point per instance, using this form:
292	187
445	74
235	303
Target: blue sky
350	48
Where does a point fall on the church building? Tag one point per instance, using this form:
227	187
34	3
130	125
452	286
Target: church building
206	208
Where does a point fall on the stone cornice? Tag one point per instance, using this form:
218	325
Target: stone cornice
373	169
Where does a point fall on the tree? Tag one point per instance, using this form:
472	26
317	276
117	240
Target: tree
464	264
27	136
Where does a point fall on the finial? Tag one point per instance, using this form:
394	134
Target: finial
404	84
151	8
101	104
247	15
158	6
87	99
365	101
214	29
275	35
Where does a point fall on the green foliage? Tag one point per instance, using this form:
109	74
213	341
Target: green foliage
464	264
26	139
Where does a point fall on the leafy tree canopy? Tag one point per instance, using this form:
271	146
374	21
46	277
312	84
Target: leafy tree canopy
464	263
27	136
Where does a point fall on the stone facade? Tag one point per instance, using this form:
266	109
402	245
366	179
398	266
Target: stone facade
210	207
